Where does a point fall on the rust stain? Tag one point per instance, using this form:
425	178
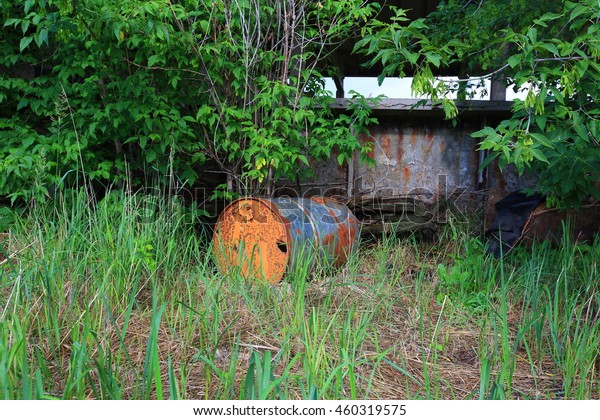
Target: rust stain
253	236
340	242
413	139
406	173
400	149
328	239
497	175
346	234
325	200
386	145
341	249
428	142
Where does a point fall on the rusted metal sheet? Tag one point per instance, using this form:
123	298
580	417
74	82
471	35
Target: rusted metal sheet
526	219
264	237
430	166
546	224
419	158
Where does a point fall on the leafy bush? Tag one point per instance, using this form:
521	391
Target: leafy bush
155	88
548	49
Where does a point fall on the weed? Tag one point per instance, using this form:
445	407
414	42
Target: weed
121	299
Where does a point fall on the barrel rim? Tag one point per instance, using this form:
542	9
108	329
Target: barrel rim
273	208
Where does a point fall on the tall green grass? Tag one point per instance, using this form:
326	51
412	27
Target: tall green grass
120	298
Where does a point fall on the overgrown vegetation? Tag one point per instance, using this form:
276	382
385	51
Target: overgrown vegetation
155	88
548	49
144	88
122	300
120	297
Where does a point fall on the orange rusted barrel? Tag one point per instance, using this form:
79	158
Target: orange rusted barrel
264	237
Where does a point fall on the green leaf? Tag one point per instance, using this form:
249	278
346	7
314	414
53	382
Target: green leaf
42	37
490	142
27	5
150	155
153	59
581	67
412	57
557	94
433	58
541	121
532	34
488	159
578	11
486	131
537	153
541	139
117	30
552	48
581	130
25	42
11	21
24	26
303	159
397	39
514	60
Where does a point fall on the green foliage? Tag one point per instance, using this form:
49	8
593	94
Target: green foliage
88	109
480	24
260	384
8	216
556	129
266	113
465	280
548	49
128	88
403	44
84	316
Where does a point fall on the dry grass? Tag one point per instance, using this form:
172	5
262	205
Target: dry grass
388	325
455	364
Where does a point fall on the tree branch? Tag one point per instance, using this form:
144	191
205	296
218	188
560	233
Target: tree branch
504	67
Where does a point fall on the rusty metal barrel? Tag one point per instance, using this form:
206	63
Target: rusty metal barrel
264	237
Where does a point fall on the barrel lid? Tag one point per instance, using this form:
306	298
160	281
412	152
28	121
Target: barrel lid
251	234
